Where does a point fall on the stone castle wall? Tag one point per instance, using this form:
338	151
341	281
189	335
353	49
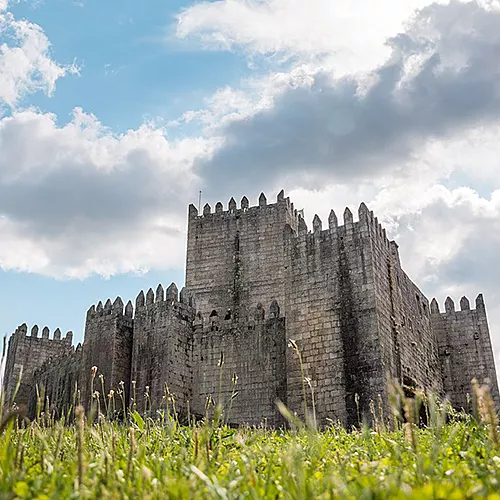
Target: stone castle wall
409	344
162	349
58	381
108	347
464	349
337	293
25	354
330	311
242	366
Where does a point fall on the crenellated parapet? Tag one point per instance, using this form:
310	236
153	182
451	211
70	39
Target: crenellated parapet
464	304
465	324
366	224
235	209
111	310
181	304
465	350
35	333
26	353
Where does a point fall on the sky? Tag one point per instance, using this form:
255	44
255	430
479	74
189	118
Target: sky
115	114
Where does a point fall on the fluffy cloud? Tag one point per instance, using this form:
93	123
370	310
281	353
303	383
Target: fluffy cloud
441	79
294	28
26	65
78	199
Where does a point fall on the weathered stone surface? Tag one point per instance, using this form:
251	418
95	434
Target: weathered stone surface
25	354
465	351
258	280
58	381
162	354
108	348
250	359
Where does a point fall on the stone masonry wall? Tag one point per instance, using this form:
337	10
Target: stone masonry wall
162	349
407	342
235	257
465	349
254	352
346	303
330	311
25	355
355	315
107	346
58	381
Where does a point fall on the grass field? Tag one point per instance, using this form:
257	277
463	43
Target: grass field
159	458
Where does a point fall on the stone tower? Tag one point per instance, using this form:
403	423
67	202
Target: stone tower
235	257
464	349
25	354
162	349
108	347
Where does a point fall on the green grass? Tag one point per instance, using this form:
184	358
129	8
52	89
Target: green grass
163	459
454	456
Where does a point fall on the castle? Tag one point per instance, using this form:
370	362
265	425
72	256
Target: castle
258	281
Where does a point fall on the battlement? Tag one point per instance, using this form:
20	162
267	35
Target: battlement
26	353
181	303
465	307
114	309
233	209
22	332
366	217
465	350
366	220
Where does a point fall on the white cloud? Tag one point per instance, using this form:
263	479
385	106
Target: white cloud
311	127
26	65
351	34
228	104
78	199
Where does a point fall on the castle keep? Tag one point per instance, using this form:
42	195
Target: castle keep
257	282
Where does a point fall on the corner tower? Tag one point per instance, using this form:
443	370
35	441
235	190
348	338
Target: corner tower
27	353
465	350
